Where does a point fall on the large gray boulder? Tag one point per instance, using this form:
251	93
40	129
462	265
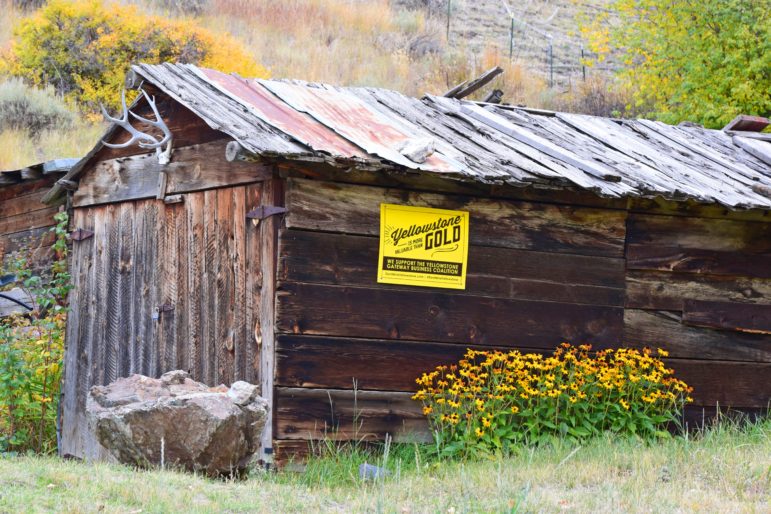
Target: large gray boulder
178	422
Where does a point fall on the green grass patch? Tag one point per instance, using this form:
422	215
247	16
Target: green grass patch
726	468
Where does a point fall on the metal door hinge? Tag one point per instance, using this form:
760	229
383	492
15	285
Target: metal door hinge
166	307
79	234
263	211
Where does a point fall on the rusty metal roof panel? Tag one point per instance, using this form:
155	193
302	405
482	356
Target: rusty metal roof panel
353	119
266	106
185	84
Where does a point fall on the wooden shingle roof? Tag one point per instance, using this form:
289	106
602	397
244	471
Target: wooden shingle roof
493	144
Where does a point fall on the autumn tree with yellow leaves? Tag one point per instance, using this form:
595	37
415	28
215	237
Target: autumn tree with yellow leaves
704	61
85	47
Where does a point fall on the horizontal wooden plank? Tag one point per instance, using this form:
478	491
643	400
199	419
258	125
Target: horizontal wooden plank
192	168
208	169
664	330
700	233
689	260
691	208
343	259
352	209
666	291
28	239
28	187
741	317
727	384
116	180
698	417
443	317
28	221
336	414
22	204
291	454
328	362
434	183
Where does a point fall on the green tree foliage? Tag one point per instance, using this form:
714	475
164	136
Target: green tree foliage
704	61
84	48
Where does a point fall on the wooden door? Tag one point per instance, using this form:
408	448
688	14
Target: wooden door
161	287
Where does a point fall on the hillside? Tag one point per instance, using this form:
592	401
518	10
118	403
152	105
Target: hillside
479	25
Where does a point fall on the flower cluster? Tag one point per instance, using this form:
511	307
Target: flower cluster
492	400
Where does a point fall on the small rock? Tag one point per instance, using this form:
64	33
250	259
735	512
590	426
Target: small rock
370	472
242	393
174	377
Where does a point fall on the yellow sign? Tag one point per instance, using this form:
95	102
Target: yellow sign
420	246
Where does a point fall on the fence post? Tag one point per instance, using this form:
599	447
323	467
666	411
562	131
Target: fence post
551	65
583	64
449	8
511	40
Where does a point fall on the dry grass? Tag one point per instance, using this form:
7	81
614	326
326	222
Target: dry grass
725	470
18	148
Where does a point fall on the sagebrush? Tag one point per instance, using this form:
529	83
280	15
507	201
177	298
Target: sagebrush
32	109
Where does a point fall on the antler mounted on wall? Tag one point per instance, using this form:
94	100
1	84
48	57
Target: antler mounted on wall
143	139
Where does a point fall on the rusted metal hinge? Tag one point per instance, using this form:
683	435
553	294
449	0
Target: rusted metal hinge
79	234
263	211
166	307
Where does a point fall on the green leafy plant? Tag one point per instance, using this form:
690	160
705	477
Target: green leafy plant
31	352
701	61
493	401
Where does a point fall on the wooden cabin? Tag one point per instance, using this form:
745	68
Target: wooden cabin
253	253
25	223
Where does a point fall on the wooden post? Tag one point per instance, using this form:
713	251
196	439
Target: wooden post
273	194
466	88
449	10
551	64
511	40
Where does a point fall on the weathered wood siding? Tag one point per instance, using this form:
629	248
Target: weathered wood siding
701	289
25	220
539	274
161	287
348	349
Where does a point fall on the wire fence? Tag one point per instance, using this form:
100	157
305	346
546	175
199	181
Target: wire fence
558	58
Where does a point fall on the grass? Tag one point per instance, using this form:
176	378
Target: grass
722	469
18	148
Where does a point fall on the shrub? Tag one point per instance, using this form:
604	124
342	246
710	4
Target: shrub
84	48
23	107
493	401
31	351
701	61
